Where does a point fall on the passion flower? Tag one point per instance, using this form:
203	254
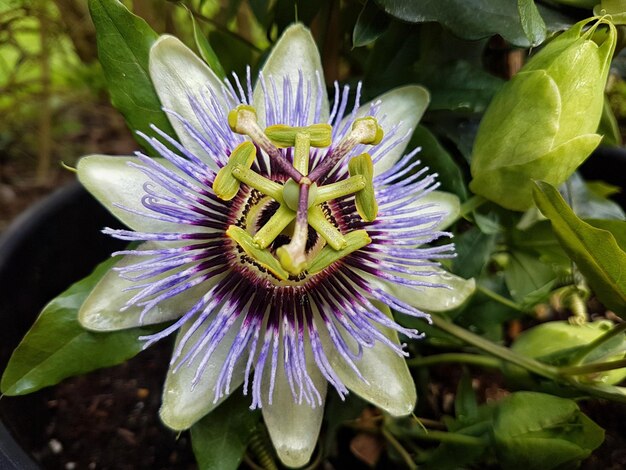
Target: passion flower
275	235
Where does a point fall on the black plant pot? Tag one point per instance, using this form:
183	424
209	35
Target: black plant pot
52	245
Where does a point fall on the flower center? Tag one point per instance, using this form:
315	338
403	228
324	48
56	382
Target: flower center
297	209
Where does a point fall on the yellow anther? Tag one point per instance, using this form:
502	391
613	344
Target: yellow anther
262	257
367	131
355	241
292	258
365	199
226	185
240	118
325	229
281	135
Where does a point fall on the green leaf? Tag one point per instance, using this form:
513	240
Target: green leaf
220	439
457	85
540	431
261	10
57	347
465	404
532	22
595	251
124	42
587	204
370	25
437	158
473	250
206	51
528	279
616	227
469	19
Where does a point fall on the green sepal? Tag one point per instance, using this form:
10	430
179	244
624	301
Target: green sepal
365	199
206	51
554	167
226	186
262	257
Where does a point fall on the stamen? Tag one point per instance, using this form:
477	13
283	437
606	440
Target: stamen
327	256
263	257
328	231
365	199
302	151
339	189
364	131
258	182
283	136
243	120
225	184
273	227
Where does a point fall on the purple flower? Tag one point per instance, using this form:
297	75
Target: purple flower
275	236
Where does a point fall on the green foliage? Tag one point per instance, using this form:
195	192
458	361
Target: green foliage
57	346
533	430
370	25
475	19
563	343
220	439
595	251
124	42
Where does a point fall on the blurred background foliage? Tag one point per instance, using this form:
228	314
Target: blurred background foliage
55	108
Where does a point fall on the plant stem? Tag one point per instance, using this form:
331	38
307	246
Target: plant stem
401	450
471	205
464	358
536	367
499	298
583	352
592	368
455	438
501	352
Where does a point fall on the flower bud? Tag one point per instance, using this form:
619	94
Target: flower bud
542	123
555	342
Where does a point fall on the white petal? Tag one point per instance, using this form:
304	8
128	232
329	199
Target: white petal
447	203
102	310
177	73
431	299
113	182
293	53
390	385
293	427
183	404
444	203
403	106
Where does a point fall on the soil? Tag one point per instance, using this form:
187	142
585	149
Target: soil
107	419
